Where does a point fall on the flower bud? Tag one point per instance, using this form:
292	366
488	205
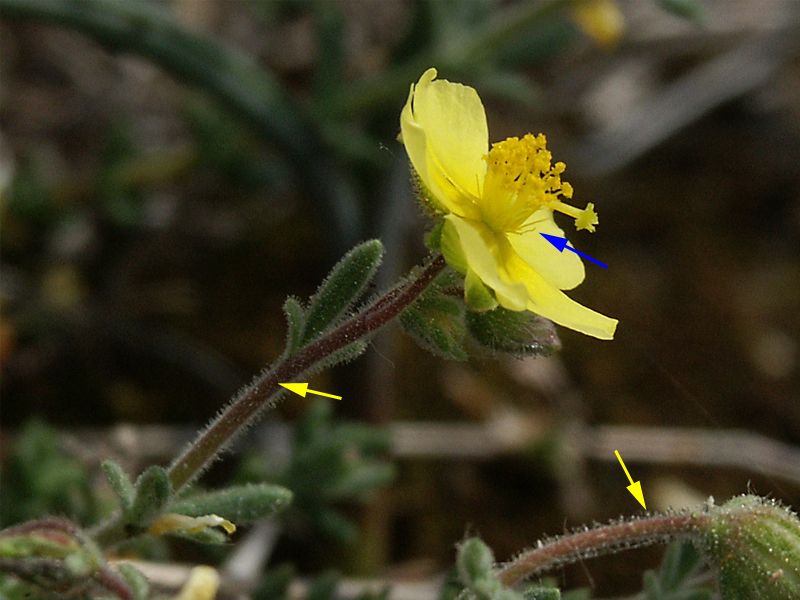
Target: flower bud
755	545
475	561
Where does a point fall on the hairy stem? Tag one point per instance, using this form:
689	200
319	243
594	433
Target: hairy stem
264	389
601	540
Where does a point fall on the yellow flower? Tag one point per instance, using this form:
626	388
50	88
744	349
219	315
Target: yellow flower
602	20
495	204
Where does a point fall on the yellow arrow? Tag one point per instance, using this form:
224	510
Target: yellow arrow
301	389
635	488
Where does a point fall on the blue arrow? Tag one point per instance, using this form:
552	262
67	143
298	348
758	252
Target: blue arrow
560	243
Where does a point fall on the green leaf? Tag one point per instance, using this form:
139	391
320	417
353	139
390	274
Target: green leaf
340	357
206	536
579	594
360	482
677	578
331	462
681	561
324	586
153	491
240	504
39	478
692	10
518	333
274	585
342	287
121	484
328	76
295	324
136	581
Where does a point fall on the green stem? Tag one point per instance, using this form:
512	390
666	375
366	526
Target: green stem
598	541
145	29
264	390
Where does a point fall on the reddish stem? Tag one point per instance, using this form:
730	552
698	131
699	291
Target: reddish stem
604	539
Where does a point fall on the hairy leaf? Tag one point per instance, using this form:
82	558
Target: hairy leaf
342	287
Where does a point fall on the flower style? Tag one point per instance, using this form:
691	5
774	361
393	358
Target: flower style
495	203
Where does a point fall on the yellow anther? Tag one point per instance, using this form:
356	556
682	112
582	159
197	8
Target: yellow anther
520	179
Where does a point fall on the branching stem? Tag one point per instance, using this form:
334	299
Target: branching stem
264	389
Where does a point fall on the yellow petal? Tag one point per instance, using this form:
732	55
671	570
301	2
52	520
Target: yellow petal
451	248
486	254
443	127
202	584
553	304
563	270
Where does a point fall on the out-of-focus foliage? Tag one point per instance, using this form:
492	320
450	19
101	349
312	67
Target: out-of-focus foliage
330	462
40	479
680	576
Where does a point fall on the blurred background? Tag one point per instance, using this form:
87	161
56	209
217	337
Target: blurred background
166	185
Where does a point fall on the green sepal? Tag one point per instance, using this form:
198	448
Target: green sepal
427	200
342	288
295	324
240	504
120	483
539	592
754	544
450	245
137	582
518	333
433	238
437	325
436	319
477	296
153	492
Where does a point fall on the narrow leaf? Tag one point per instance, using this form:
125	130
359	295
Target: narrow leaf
342	287
340	357
121	484
153	491
295	324
136	581
692	10
240	504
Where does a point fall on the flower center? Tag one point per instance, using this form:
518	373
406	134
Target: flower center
521	179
